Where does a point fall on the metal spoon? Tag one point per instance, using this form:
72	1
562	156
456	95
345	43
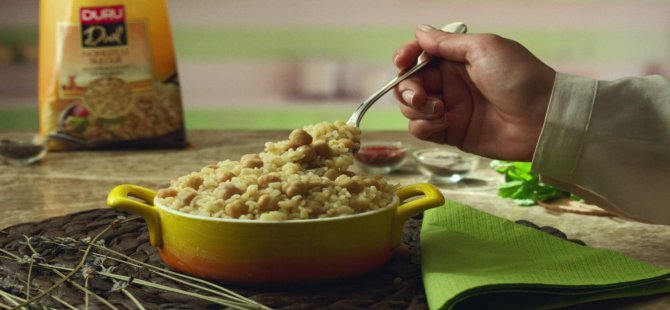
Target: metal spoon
422	61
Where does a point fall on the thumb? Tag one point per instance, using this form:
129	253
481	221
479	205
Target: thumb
450	46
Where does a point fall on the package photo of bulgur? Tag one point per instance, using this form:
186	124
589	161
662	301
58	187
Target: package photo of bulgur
108	76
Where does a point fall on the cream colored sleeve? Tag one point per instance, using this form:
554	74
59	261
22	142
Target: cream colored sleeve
609	141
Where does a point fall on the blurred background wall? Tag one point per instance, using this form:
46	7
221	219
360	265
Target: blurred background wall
302	61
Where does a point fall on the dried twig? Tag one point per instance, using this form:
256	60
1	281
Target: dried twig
63	302
30	268
175	276
228	303
133	299
87	275
10	298
12	255
169	275
60	301
232	304
85	290
69	275
30	271
86	293
224	297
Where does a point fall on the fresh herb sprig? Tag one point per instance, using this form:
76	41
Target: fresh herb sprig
524	186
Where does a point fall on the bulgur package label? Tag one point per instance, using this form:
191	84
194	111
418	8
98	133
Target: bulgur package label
108	75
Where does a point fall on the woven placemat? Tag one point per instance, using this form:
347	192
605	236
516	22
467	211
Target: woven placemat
397	285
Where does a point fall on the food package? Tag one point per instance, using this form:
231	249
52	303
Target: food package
108	76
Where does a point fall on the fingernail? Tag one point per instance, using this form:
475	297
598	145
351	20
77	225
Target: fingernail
429	107
425	27
395	59
407	96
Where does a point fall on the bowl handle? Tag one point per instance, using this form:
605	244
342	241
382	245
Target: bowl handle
432	198
121	198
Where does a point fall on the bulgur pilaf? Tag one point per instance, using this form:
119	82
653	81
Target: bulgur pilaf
304	177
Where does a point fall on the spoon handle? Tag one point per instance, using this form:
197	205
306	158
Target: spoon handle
422	61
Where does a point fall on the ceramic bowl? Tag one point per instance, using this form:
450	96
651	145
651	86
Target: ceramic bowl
259	252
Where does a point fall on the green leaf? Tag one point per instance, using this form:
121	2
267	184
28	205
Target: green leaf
524	186
508	189
501	166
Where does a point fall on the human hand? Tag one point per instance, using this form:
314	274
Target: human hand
482	93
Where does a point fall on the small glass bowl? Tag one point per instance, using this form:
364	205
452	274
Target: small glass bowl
21	153
381	157
443	165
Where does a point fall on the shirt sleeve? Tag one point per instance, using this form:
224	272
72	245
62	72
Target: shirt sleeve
609	142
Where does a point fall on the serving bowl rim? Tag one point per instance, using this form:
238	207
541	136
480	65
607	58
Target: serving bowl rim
394	202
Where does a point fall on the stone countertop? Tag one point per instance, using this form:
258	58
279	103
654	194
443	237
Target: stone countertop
63	183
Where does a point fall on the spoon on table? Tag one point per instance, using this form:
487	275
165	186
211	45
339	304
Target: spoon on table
421	62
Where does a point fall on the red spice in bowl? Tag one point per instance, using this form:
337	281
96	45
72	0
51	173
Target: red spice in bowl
381	157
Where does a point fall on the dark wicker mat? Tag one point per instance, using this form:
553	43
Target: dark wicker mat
397	285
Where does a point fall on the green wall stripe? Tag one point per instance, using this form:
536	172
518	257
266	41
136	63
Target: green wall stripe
288	117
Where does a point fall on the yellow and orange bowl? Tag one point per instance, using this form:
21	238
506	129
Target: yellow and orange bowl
262	252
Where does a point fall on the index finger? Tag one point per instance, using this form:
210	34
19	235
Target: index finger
446	45
405	56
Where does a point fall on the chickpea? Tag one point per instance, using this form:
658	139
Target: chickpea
358	205
296	188
317	185
227	190
322	149
194	182
348	173
251	161
189	198
341	179
348	143
299	137
167	192
267	203
309	154
344	210
315	207
352	186
226	176
332	174
371	183
254	163
250	156
236	209
266	179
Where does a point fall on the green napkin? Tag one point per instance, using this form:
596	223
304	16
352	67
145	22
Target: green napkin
474	260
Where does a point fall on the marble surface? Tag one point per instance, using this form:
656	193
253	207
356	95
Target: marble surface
74	181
